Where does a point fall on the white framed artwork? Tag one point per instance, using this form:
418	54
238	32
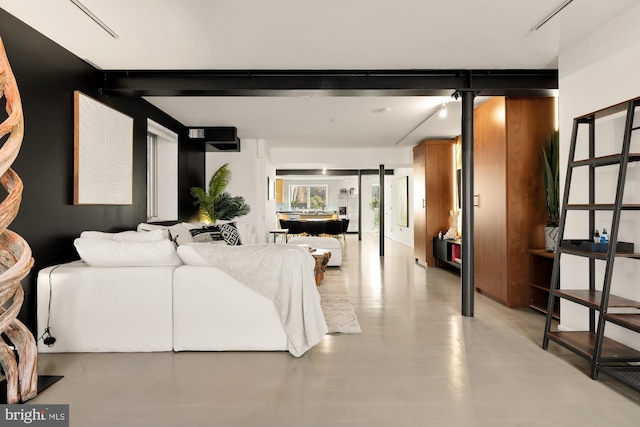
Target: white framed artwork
103	154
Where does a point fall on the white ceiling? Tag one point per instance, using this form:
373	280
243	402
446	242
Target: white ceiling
320	121
305	34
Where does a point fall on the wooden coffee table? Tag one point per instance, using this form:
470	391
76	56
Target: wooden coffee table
322	259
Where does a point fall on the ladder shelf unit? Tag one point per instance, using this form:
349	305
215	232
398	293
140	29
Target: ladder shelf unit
604	354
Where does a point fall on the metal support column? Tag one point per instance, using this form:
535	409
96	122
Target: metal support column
381	210
359	206
466	277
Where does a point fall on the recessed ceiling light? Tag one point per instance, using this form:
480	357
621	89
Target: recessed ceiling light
443	110
381	110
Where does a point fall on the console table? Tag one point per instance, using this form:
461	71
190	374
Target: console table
448	252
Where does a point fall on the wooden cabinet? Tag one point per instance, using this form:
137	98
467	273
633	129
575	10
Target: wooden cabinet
433	194
447	252
539	280
511	211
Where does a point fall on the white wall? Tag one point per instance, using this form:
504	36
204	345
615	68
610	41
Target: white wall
598	72
347	158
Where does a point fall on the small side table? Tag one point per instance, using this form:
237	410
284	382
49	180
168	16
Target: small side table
322	259
280	231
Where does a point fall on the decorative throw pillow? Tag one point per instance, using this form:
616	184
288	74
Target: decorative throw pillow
216	233
179	234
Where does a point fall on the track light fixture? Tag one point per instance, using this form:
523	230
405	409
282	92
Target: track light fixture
94	18
547	18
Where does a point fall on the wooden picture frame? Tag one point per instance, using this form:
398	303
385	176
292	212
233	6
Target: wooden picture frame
103	154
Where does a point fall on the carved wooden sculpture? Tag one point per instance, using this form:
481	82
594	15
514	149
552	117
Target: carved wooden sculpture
15	254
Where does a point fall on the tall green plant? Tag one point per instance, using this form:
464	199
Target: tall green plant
217	203
551	173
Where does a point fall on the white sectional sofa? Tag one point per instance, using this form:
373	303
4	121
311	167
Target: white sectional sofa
141	309
175	307
106	309
212	311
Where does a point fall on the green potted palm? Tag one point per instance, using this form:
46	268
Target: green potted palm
551	174
216	203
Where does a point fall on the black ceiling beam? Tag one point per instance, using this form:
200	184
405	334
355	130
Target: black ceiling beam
329	82
330	172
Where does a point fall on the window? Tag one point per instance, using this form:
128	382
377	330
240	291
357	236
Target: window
162	173
152	176
307	197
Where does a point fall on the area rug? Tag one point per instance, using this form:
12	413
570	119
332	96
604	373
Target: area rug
336	306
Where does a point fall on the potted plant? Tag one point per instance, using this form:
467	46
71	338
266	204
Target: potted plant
375	207
551	174
216	203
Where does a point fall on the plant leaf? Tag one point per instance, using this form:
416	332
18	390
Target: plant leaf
219	181
551	175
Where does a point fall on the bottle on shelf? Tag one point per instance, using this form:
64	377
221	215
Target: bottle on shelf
604	237
596	237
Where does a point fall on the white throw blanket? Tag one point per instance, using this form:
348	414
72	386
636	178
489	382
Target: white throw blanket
282	273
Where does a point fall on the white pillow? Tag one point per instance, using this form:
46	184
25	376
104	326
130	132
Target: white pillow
96	235
180	234
143	226
127	236
139	236
110	253
190	256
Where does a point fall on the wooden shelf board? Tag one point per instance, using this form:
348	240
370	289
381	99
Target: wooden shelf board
542	252
607	111
555	315
630	321
598	255
609	160
629	375
542	288
453	264
601	207
592	298
583	343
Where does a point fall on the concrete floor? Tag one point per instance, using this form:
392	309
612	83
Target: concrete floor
418	362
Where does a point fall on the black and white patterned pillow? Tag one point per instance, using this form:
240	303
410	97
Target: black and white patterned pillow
227	233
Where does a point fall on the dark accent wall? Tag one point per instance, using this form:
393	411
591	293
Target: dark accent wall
47	75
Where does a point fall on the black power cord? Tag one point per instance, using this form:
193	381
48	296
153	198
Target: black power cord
46	337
